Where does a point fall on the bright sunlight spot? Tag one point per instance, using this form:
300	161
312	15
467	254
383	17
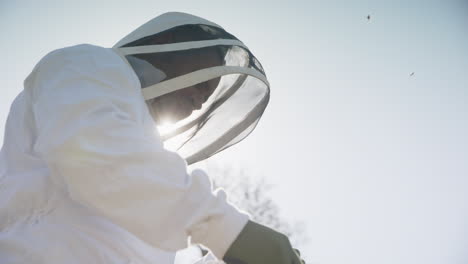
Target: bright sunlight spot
165	126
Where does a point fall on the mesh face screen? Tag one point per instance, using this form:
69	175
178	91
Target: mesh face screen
210	89
183	33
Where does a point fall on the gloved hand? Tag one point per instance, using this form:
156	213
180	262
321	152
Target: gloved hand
258	244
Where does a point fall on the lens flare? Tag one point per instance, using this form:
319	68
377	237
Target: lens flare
165	126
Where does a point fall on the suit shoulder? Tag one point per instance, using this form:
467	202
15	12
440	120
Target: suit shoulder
83	53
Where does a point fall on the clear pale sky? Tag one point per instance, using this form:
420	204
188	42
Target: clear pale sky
373	160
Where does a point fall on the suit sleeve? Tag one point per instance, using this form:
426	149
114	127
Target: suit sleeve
89	131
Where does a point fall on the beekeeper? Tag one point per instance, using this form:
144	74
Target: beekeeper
85	176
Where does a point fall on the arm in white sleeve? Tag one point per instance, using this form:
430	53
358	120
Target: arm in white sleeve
88	110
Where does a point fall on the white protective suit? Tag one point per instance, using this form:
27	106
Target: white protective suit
84	177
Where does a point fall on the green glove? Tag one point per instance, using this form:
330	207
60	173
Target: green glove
258	244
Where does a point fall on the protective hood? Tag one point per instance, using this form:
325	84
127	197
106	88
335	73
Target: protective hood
239	91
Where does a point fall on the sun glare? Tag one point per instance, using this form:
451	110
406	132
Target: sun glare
165	127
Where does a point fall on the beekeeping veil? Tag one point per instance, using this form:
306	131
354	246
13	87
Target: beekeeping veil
234	107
